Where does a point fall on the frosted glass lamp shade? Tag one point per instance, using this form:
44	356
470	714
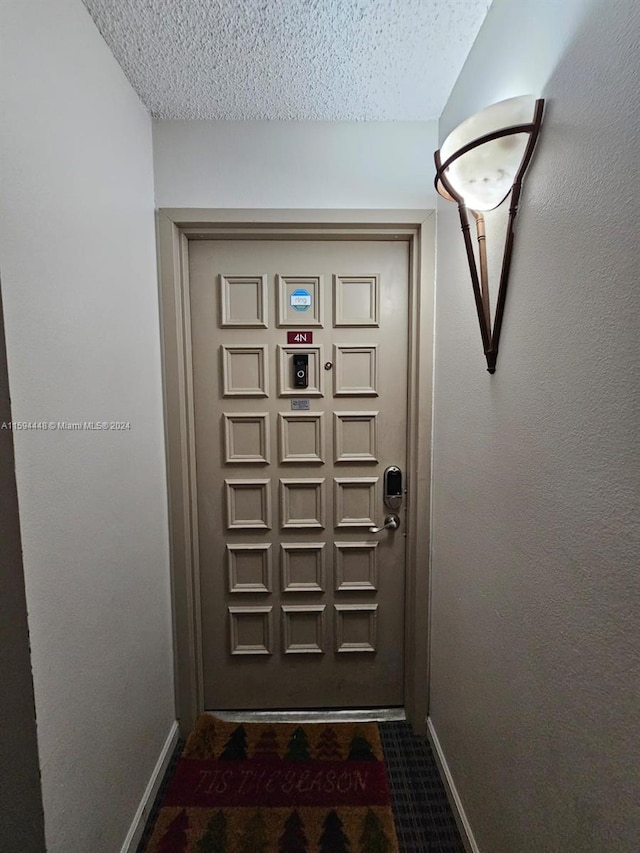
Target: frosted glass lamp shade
483	176
481	163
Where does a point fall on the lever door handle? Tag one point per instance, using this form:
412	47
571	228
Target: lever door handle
391	522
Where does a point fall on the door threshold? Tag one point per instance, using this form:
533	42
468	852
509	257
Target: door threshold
334	715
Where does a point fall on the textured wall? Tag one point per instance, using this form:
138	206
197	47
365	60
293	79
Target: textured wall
77	254
536	529
294	164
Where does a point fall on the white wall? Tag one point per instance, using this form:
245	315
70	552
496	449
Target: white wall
294	164
77	258
536	530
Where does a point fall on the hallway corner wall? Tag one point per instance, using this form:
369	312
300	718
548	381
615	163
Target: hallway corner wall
21	816
536	535
78	263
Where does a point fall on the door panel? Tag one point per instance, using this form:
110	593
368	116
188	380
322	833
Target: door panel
302	607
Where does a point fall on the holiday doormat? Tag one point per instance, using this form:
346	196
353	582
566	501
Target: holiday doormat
277	788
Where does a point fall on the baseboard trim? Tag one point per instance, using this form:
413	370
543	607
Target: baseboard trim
148	798
459	813
349	715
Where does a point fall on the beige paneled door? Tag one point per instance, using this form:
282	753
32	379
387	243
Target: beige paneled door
299	352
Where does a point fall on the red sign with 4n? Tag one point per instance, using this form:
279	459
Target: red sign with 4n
299	337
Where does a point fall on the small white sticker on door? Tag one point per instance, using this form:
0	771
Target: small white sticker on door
298	403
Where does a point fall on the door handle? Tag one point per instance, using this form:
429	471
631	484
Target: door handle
391	522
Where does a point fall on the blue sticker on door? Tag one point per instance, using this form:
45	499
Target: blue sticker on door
300	300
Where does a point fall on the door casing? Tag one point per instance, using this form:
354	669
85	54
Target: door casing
175	229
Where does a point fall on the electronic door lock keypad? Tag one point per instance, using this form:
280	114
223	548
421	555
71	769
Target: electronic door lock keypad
393	487
301	370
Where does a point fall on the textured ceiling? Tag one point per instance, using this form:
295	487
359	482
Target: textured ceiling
291	59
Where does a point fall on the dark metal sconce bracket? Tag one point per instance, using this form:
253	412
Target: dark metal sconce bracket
480	278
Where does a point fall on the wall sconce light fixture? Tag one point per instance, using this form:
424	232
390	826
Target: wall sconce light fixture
480	164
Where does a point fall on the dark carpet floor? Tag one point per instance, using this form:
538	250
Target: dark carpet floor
423	816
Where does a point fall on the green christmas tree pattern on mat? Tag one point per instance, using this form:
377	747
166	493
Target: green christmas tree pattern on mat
208	742
360	748
333	839
254	838
236	747
328	747
215	838
174	839
298	749
373	838
293	839
202	743
267	746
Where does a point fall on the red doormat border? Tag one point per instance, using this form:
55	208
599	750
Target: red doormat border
281	787
330	784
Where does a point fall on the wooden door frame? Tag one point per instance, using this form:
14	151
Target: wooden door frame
175	228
